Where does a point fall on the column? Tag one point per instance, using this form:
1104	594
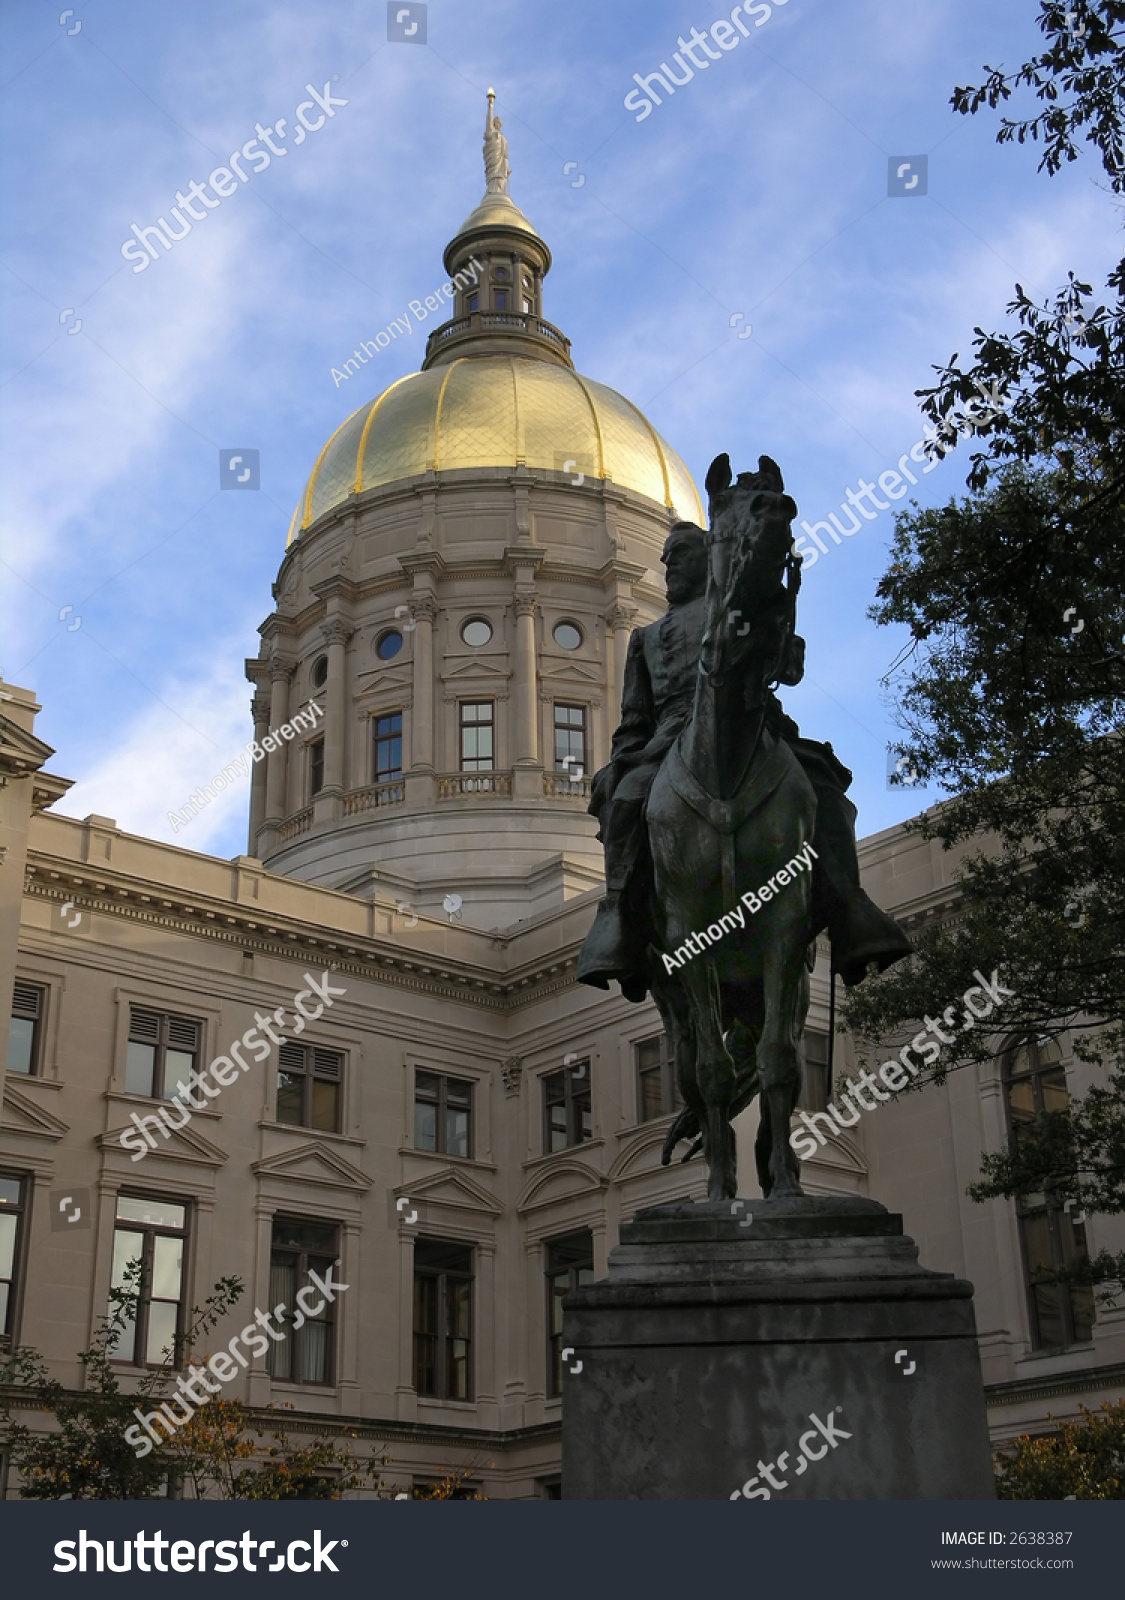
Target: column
406	1397
276	799
260	710
422	714
621	621
525	745
336	634
484	1333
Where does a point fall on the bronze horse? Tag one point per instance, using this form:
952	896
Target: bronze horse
729	808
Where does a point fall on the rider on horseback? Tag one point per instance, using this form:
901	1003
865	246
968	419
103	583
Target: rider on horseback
660	682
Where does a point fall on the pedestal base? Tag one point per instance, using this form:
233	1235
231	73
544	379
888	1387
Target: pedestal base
792	1349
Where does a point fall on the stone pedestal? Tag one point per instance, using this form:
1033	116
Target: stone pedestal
792	1349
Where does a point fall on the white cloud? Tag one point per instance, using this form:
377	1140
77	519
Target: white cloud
161	757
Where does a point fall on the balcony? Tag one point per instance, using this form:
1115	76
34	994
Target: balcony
451	785
294	826
513	331
392	792
560	786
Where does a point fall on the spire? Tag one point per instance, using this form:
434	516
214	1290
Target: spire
496	264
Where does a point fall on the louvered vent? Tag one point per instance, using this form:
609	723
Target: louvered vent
144	1026
328	1064
26	1000
291	1058
183	1033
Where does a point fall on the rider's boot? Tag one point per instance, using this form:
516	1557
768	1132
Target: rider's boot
860	932
610	948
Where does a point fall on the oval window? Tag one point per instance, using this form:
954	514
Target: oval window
319	674
500	272
567	635
388	644
476	632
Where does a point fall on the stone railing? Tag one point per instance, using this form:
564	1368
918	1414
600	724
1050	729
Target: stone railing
549	331
517	321
560	786
461	325
391	792
452	784
296	825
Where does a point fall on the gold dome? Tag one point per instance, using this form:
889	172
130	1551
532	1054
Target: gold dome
496	411
497	211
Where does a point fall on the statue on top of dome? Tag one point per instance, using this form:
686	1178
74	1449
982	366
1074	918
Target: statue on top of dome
496	169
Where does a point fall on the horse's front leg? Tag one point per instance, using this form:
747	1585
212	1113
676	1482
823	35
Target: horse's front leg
715	1075
675	1013
786	986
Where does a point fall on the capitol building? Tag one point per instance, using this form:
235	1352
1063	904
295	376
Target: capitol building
464	1128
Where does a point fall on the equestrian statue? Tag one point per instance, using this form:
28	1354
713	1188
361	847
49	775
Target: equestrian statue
711	793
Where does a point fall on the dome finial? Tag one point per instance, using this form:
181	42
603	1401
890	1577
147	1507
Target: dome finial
497	172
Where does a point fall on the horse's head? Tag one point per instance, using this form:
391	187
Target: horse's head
749	547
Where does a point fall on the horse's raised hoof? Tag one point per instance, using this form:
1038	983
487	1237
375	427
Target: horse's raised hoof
686	1126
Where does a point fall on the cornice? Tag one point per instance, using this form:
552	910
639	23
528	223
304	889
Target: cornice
447	575
415	561
621	571
405	492
1014	1391
229	923
46	788
20	752
337	585
517	557
942	908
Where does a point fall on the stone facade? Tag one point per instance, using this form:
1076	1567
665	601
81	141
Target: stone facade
219	941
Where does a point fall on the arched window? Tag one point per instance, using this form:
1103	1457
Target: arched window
1061	1314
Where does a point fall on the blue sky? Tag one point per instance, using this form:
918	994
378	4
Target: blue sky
760	188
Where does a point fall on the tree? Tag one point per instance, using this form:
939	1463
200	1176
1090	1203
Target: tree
89	1455
1010	690
1084	1460
218	1452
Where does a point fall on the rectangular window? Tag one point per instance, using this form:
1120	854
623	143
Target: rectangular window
527	308
1061	1314
12	1201
307	1354
25	1030
814	1091
443	1114
567	1108
474	302
500	298
426	1489
443	1320
477	749
570	738
154	1233
309	1080
570	1262
316	767
388	747
658	1094
161	1052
